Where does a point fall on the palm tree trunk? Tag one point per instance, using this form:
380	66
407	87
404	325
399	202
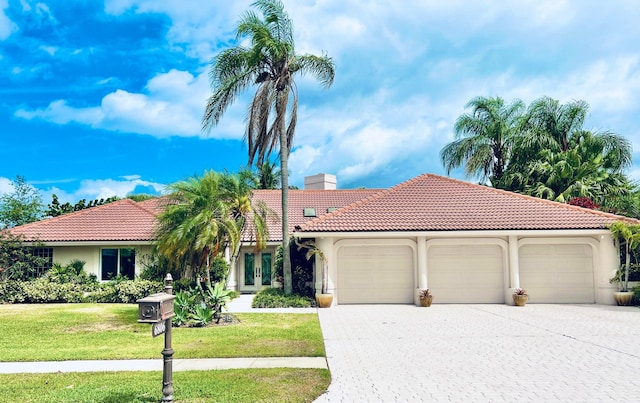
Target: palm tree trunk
284	167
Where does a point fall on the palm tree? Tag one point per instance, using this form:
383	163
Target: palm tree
204	215
484	138
270	63
550	125
268	175
587	169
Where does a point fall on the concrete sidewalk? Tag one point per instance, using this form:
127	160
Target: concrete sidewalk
156	364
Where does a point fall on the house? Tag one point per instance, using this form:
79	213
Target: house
467	243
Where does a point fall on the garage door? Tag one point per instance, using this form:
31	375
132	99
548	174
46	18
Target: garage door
375	275
466	274
557	273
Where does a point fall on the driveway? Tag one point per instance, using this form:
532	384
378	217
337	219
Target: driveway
487	353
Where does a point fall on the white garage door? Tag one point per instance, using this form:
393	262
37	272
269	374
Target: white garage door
465	274
378	274
557	273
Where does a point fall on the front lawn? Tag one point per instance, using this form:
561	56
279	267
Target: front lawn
244	385
52	332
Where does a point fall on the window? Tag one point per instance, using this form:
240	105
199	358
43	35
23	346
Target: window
309	212
118	262
47	255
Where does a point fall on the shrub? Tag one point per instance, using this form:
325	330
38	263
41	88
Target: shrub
275	298
42	290
11	292
125	291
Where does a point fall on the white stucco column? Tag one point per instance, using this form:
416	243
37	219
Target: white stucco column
232	281
422	266
326	246
514	269
606	267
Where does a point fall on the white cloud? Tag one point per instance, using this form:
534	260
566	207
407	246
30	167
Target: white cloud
7	27
172	105
6	185
91	189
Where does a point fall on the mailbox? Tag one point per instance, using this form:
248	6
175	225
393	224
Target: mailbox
155	308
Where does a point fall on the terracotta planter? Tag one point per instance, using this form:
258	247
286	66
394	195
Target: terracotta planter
520	300
426	301
324	300
623	298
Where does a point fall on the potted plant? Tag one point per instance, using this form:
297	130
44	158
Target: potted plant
426	298
520	296
627	236
323	299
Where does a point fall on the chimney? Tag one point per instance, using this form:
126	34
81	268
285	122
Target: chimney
320	182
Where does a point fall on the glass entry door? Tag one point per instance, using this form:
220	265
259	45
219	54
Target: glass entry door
256	271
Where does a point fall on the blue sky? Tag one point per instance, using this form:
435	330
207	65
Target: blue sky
105	98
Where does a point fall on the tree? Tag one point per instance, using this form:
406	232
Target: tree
204	215
268	176
627	236
22	206
484	138
270	63
549	125
16	260
585	170
55	209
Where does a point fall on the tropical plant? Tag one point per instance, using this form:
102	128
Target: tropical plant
268	175
520	291
217	298
627	237
202	315
204	215
425	293
270	62
312	251
484	138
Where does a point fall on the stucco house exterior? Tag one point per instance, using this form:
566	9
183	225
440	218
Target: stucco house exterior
467	243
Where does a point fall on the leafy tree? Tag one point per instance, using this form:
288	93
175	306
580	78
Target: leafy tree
55	209
22	206
16	260
484	138
271	63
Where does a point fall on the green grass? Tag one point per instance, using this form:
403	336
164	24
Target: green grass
246	385
52	332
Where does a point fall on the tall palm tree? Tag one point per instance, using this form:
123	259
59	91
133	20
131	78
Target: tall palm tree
270	63
559	127
484	138
586	169
204	215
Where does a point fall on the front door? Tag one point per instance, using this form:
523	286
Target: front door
256	271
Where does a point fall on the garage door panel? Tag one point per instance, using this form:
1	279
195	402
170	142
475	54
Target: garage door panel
560	273
466	273
375	274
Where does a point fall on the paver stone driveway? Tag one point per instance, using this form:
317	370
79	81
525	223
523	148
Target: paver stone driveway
486	353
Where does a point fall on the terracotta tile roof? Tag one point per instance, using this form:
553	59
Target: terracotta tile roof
435	203
122	220
321	200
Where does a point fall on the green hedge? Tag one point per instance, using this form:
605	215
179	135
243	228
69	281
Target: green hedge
275	298
42	290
